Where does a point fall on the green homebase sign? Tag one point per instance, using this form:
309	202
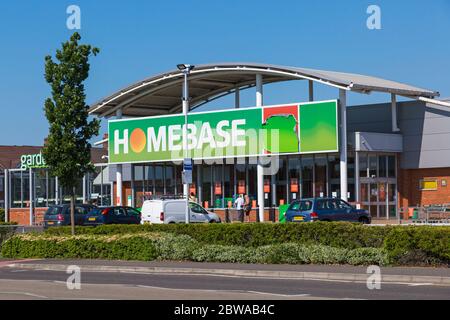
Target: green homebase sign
296	128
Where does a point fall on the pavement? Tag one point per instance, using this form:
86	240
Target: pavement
46	279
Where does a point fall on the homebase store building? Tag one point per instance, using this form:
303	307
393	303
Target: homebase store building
383	157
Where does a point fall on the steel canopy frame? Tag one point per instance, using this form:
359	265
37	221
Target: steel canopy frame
221	76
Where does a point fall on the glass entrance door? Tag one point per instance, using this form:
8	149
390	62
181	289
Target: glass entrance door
378	184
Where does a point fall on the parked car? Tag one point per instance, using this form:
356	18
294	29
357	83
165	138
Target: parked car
59	215
325	209
174	211
112	215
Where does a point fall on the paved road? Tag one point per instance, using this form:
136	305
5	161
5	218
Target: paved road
16	283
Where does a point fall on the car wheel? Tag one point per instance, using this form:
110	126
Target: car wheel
364	220
212	221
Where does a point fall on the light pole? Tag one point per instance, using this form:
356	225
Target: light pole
185	69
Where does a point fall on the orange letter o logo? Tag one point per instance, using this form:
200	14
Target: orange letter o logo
138	140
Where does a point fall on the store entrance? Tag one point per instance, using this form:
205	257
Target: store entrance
378	184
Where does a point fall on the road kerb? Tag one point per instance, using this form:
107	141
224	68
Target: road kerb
294	275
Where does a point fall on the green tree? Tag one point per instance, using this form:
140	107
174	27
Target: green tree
68	151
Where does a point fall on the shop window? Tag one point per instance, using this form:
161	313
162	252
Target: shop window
179	179
218	187
252	183
241	178
351	167
373	166
294	178
334	166
228	183
363	166
320	176
382	166
159	180
40	187
351	192
307	177
382	211
428	184
169	179
364	192
391	192
16	189
391	167
281	191
206	186
373	192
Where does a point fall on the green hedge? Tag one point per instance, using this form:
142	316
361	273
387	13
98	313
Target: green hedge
414	245
422	245
341	235
7	230
161	246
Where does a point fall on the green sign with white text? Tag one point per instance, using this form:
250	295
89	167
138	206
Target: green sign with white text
28	161
285	129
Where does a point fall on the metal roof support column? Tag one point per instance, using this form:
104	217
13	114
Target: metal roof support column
119	180
394	113
343	142
260	168
6	191
237	98
311	90
84	189
133	194
56	191
30	172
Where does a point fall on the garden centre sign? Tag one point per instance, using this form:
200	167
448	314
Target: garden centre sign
32	161
286	129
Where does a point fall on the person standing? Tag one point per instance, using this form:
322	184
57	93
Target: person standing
247	207
239	204
192	197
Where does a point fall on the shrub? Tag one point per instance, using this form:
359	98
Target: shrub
7	230
123	247
342	235
152	246
418	245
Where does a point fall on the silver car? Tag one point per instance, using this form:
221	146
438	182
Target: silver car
174	211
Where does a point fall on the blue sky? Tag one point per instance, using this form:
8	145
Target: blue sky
140	38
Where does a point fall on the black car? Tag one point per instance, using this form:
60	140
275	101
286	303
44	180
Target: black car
59	215
112	215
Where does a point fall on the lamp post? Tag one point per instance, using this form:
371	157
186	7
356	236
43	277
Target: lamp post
185	69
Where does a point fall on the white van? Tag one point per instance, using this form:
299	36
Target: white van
174	211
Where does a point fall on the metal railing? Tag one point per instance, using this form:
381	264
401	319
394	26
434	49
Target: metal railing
430	214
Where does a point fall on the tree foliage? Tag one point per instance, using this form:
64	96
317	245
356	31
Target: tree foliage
68	151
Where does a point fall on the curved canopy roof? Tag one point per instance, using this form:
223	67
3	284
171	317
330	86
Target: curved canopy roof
161	94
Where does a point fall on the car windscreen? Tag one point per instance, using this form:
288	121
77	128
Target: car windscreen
304	205
53	211
96	211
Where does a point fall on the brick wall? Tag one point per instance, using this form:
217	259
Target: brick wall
410	193
22	215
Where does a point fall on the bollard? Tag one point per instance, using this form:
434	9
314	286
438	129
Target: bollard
257	215
227	215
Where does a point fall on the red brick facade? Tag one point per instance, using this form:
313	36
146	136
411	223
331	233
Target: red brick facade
22	215
409	187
